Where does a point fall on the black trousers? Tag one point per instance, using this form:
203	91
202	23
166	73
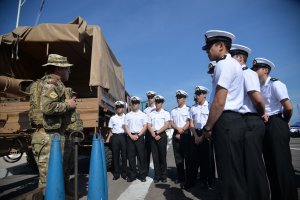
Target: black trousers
182	153
228	134
255	171
118	144
278	160
201	156
136	149
159	154
148	139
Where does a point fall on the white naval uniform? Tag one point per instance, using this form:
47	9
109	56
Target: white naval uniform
149	109
181	147
180	115
273	92
228	74
251	83
116	123
230	128
277	153
158	119
136	121
199	114
257	182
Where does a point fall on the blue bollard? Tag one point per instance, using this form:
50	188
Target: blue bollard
96	178
55	188
104	170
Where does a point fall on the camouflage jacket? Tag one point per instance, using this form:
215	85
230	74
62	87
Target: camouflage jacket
53	104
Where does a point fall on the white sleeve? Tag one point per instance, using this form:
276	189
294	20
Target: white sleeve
145	121
167	116
126	119
251	81
149	119
172	115
224	76
280	90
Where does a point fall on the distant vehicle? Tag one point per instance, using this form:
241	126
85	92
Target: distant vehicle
295	129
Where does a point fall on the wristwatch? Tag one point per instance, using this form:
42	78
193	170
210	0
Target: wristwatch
205	129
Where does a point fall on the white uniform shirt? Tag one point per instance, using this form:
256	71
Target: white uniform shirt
116	123
251	83
158	119
273	92
199	114
228	74
180	115
135	121
149	109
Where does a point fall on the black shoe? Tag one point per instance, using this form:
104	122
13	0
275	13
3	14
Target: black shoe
130	179
188	186
123	177
143	179
155	180
164	180
116	177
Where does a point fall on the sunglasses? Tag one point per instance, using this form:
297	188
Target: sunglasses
135	102
180	96
200	92
150	97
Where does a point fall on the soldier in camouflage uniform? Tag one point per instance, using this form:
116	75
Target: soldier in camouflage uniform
53	110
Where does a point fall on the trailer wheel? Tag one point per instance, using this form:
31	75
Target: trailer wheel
108	157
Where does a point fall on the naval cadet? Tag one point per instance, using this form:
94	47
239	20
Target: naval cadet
225	124
181	138
151	107
118	140
200	147
253	110
158	123
276	149
135	127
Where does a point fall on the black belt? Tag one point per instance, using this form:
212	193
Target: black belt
230	111
250	114
118	133
278	115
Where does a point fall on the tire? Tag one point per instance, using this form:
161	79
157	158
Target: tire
108	157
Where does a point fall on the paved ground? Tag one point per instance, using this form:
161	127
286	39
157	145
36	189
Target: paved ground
18	178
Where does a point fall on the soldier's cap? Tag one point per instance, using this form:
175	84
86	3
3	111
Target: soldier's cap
201	90
150	93
181	93
237	49
135	100
159	99
262	63
211	67
213	36
120	104
57	60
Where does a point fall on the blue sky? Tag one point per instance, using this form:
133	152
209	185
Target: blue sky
159	42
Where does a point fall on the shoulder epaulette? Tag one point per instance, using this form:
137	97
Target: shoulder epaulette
244	68
274	79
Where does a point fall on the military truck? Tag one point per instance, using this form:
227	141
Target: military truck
96	77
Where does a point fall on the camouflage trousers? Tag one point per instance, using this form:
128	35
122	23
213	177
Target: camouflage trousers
41	144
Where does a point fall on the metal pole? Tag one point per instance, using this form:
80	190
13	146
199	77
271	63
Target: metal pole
76	141
19	11
18	15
